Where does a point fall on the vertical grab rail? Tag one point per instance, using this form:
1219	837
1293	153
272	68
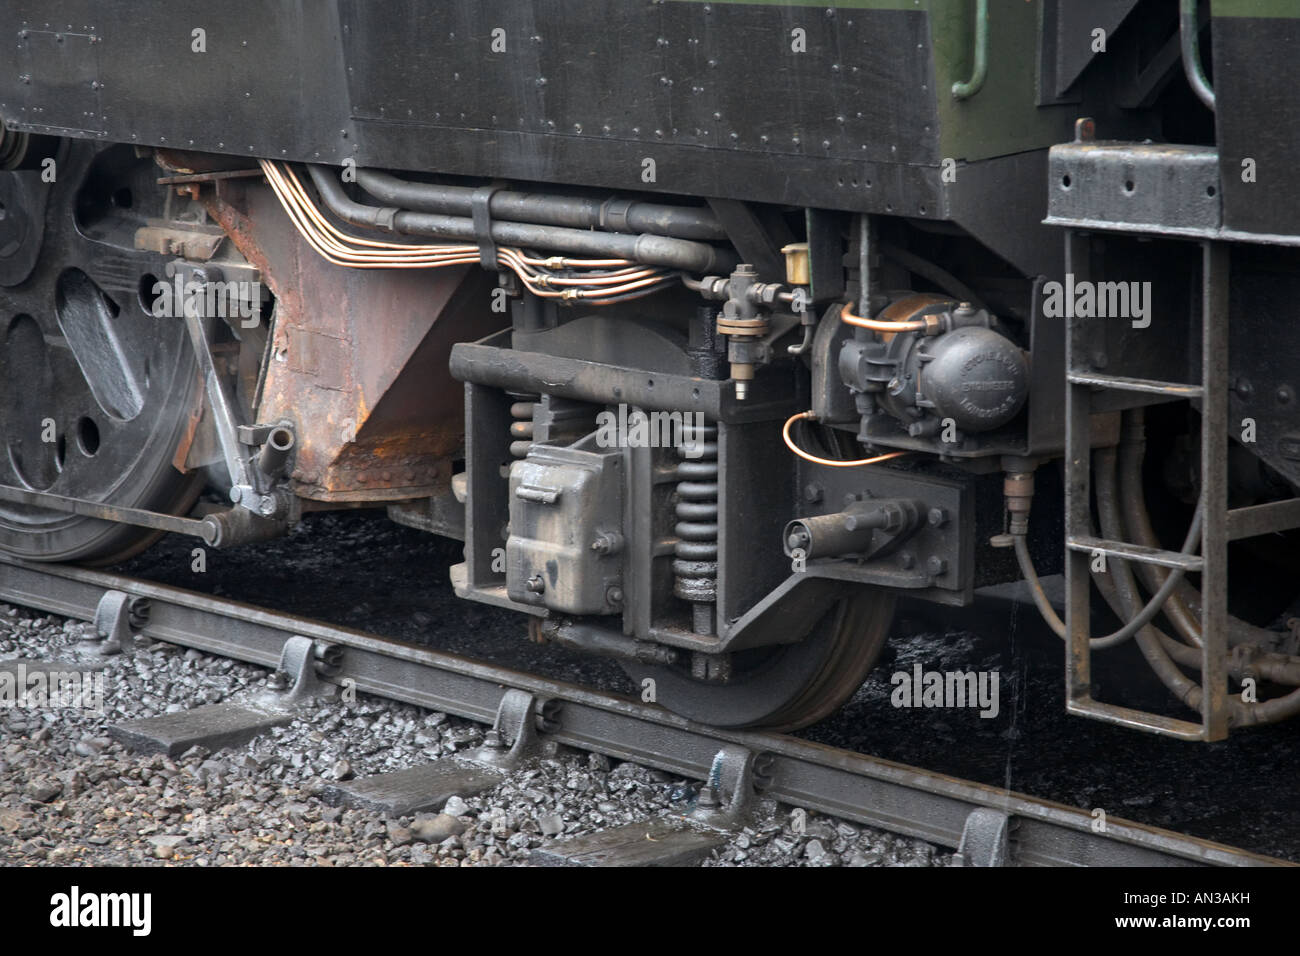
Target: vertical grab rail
1189	29
964	89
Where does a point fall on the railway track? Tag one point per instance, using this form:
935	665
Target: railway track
529	714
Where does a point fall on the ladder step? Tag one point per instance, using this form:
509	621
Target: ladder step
1125	384
1135	552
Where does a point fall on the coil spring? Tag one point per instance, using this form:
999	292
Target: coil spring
521	429
695	566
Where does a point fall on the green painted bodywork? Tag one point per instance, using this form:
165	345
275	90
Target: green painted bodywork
1003	117
1268	9
842	5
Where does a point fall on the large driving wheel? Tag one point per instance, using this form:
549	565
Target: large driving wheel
96	391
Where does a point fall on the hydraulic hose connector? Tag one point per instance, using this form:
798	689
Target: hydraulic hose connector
1018	489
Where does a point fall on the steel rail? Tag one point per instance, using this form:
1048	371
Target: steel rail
880	793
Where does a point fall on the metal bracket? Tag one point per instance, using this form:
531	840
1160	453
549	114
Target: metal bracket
251	487
118	617
480	210
726	799
1159	188
516	721
297	678
986	838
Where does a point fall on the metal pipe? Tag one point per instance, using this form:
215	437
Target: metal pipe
697	257
275	452
927	270
603	642
579	212
962	90
1189	30
103	511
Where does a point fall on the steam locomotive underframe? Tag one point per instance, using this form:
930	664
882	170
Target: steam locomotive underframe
710	328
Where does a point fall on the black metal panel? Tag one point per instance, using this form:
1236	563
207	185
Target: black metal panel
1257	92
950	538
270	82
1265	339
1067	40
753	498
686	74
585	91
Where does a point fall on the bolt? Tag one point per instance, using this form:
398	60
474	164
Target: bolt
1284	395
936	565
938	517
278	680
614	595
812	493
906	560
798	540
535	584
1100	360
236	493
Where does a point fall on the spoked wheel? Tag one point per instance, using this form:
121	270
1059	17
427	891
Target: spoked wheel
788	686
95	391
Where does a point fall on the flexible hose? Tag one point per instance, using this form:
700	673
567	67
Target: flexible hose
1184	606
1154	642
1136	623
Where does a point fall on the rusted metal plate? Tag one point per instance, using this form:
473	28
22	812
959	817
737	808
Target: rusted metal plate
358	357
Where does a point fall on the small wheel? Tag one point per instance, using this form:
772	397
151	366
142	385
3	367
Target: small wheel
787	686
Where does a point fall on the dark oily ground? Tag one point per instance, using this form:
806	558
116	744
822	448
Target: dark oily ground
69	795
359	570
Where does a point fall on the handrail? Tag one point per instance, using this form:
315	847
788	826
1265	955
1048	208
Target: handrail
1189	28
964	89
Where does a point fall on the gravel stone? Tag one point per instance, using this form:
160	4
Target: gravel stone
436	829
